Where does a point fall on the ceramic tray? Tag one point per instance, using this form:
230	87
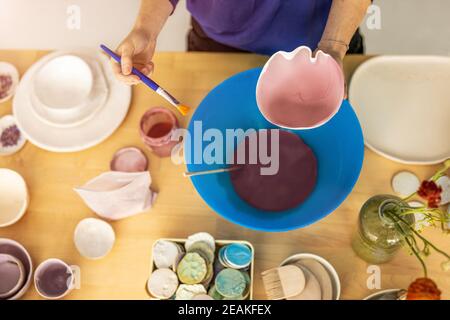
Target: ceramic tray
219	244
403	104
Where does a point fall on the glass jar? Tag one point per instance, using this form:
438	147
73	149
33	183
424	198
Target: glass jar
157	128
377	240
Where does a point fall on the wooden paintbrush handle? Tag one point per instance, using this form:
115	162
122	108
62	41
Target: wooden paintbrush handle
200	173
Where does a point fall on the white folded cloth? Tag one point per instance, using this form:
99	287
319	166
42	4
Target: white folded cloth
117	195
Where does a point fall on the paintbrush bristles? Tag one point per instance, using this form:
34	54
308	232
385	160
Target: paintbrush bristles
184	110
283	282
272	285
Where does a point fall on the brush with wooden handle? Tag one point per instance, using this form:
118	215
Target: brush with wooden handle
204	172
150	83
283	282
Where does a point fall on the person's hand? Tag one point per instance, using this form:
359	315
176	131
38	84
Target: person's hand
340	61
338	54
136	50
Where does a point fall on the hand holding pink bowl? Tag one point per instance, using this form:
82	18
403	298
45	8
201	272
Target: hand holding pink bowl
298	91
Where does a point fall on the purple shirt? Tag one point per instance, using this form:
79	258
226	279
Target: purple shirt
262	26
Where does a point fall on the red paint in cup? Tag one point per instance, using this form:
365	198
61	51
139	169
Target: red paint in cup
157	128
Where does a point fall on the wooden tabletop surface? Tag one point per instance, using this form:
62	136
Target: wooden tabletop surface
47	228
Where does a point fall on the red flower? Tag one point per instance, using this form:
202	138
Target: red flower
423	289
431	192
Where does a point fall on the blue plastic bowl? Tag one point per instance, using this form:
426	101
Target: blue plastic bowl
338	146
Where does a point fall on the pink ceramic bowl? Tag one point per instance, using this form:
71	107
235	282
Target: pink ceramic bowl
298	91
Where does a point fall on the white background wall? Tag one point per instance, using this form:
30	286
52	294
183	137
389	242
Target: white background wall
407	26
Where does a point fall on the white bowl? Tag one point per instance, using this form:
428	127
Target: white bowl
16	250
71	117
63	84
94	238
14	197
331	271
8	69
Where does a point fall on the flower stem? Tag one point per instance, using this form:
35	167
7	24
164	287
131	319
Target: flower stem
411	245
423	239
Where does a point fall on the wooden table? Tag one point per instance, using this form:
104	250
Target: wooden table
47	228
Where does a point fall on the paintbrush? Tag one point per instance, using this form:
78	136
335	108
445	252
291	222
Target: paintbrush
203	172
283	282
150	83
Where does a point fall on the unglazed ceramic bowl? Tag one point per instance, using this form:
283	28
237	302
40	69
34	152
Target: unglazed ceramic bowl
14	197
68	115
94	238
63	83
298	91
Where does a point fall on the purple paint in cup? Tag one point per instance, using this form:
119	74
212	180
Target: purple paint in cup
54	279
12	275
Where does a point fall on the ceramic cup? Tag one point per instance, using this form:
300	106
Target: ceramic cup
157	128
14	197
54	279
12	275
61	89
63	83
15	249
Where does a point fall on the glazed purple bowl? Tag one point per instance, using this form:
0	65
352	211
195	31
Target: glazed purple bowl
16	250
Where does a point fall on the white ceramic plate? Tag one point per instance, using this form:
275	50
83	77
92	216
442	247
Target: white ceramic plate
403	104
74	138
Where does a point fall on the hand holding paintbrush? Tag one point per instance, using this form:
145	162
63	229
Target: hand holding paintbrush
149	82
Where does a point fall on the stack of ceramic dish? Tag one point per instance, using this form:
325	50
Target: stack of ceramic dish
70	101
201	268
321	279
16	269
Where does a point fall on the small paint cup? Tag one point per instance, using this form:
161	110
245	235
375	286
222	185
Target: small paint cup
12	275
54	279
157	128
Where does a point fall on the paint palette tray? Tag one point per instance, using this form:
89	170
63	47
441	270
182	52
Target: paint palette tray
218	244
